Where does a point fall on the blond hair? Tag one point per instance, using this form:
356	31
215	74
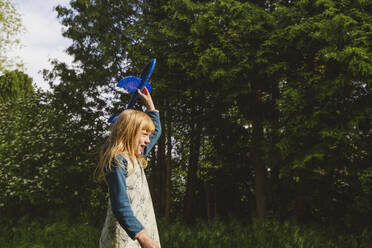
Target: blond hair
122	140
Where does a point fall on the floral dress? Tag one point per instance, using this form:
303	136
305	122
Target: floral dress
113	234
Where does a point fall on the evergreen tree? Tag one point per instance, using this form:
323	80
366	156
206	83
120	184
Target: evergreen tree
324	53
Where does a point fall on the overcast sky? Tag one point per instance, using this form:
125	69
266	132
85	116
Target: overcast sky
43	38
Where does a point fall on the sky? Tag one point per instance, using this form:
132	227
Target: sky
42	39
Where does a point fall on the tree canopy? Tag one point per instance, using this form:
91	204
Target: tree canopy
14	84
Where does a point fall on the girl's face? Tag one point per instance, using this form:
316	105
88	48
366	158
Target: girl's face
143	141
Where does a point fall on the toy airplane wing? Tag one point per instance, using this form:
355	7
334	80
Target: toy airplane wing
132	83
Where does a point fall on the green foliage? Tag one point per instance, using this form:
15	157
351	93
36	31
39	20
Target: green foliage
14	84
10	27
43	159
102	35
324	90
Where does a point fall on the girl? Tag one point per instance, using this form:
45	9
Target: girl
130	220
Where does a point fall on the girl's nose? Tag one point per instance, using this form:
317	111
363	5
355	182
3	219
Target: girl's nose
147	140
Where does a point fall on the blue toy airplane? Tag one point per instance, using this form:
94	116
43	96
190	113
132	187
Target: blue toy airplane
132	83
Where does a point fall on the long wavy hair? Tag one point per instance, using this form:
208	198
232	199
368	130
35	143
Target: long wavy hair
123	140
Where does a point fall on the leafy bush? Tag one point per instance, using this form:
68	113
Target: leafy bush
46	159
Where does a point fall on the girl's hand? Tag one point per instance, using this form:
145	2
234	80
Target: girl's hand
147	99
145	241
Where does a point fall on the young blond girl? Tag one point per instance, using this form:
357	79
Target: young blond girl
130	220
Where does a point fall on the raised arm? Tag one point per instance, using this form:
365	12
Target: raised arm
156	135
154	115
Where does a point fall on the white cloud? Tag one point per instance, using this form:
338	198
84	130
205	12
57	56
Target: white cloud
43	38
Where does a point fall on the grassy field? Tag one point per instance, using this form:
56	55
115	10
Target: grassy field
217	233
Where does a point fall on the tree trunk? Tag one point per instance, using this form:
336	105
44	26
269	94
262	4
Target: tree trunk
260	187
275	183
154	180
259	165
168	169
161	167
195	142
207	201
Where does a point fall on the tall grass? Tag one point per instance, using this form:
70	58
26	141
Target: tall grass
174	234
38	234
257	234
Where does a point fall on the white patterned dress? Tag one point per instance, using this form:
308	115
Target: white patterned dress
113	235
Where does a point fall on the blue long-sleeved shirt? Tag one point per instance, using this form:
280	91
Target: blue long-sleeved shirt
116	180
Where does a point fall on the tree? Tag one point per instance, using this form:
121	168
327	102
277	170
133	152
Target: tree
228	38
14	84
324	53
10	27
45	164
